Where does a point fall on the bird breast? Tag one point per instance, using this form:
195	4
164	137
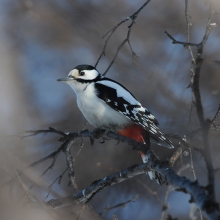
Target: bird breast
98	113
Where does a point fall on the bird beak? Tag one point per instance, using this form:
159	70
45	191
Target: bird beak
65	80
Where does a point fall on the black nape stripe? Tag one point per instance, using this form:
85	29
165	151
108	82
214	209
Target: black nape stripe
88	80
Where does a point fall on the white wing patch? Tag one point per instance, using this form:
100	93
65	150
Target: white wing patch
121	92
121	100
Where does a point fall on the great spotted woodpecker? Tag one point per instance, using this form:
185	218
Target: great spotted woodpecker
109	105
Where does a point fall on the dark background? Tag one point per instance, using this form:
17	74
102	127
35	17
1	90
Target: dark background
41	41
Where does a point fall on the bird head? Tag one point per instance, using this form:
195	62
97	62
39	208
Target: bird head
81	76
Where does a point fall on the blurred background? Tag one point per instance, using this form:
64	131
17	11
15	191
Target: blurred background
41	41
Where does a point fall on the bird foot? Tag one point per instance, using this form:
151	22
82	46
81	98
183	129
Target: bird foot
98	133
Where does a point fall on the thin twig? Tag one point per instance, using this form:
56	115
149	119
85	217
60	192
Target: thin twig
191	165
133	18
52	155
176	154
153	193
69	161
170	188
122	204
197	96
185	44
58	179
108	38
212	124
30	133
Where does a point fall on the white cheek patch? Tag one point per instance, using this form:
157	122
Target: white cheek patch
89	74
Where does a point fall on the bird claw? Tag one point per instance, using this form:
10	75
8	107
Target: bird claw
102	142
104	139
98	132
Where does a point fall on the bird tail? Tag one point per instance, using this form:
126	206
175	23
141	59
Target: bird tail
137	133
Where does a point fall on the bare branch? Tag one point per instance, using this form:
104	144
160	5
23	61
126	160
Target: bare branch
194	84
69	161
153	193
30	133
170	188
212	124
107	40
205	202
185	44
58	179
85	195
133	18
123	204
176	155
52	155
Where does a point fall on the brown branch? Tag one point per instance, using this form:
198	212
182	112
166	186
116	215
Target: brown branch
176	155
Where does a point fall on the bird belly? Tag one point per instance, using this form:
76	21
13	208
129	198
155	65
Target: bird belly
99	114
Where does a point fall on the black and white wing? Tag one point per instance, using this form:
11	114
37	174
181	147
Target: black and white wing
121	100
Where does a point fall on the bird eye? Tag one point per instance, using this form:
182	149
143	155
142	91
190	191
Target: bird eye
82	73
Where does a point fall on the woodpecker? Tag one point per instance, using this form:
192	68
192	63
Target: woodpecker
107	104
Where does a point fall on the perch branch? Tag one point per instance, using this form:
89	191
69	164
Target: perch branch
206	203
